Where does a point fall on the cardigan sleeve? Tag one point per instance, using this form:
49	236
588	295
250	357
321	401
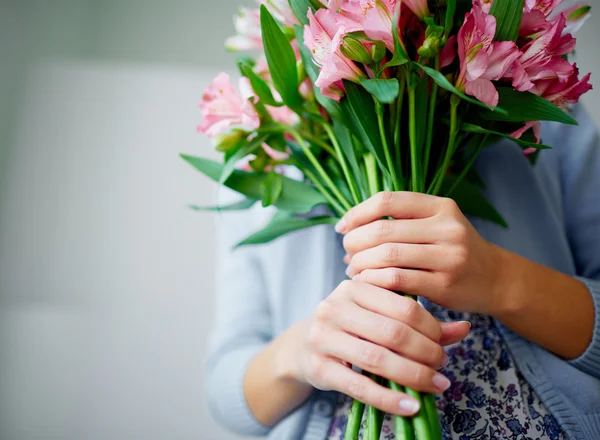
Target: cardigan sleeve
580	179
242	326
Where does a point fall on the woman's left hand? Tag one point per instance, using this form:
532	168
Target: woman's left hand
428	248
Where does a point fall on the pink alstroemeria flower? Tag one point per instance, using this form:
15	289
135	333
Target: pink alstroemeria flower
536	127
281	10
247	27
576	15
418	7
482	60
542	57
378	20
324	36
224	108
563	93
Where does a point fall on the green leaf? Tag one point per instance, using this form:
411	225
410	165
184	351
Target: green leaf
509	14
272	188
449	22
301	7
358	108
281	59
525	107
281	225
472	128
400	57
246	149
237	206
296	196
332	107
470	200
384	90
445	84
260	87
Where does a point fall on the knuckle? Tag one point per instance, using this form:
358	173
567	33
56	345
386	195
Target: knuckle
390	253
383	228
356	388
315	336
448	204
394	333
447	281
460	257
397	279
457	232
372	357
420	376
410	312
317	366
325	311
384	200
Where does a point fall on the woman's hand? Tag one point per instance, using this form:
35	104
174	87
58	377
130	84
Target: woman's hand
377	331
427	249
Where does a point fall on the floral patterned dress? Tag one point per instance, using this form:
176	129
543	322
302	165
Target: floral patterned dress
488	399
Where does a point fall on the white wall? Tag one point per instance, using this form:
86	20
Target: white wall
106	277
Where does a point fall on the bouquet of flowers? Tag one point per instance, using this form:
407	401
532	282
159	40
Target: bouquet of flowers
363	96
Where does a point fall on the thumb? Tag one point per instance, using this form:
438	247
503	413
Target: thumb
453	332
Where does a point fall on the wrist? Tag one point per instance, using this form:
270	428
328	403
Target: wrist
285	362
508	274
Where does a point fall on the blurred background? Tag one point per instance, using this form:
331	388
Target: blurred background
106	278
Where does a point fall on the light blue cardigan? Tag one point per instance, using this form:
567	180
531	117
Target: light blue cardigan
553	211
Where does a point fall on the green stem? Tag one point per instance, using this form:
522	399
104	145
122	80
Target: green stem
386	150
412	132
354	420
332	201
313	160
468	165
432	416
342	160
419	421
431	119
371	172
319	142
374	420
437	183
402	426
398	128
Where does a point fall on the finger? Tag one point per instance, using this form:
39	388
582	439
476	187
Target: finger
385	363
389	333
453	332
362	388
421	231
394	306
409	281
407	256
399	205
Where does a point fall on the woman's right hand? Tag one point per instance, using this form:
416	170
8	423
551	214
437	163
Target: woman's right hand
378	331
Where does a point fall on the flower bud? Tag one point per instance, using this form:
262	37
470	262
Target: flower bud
378	51
226	141
430	47
355	51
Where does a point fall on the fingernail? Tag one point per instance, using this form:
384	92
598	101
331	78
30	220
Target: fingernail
445	361
441	382
348	271
347	259
411	406
357	277
467	323
340	227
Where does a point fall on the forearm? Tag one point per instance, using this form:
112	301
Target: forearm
543	305
270	389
